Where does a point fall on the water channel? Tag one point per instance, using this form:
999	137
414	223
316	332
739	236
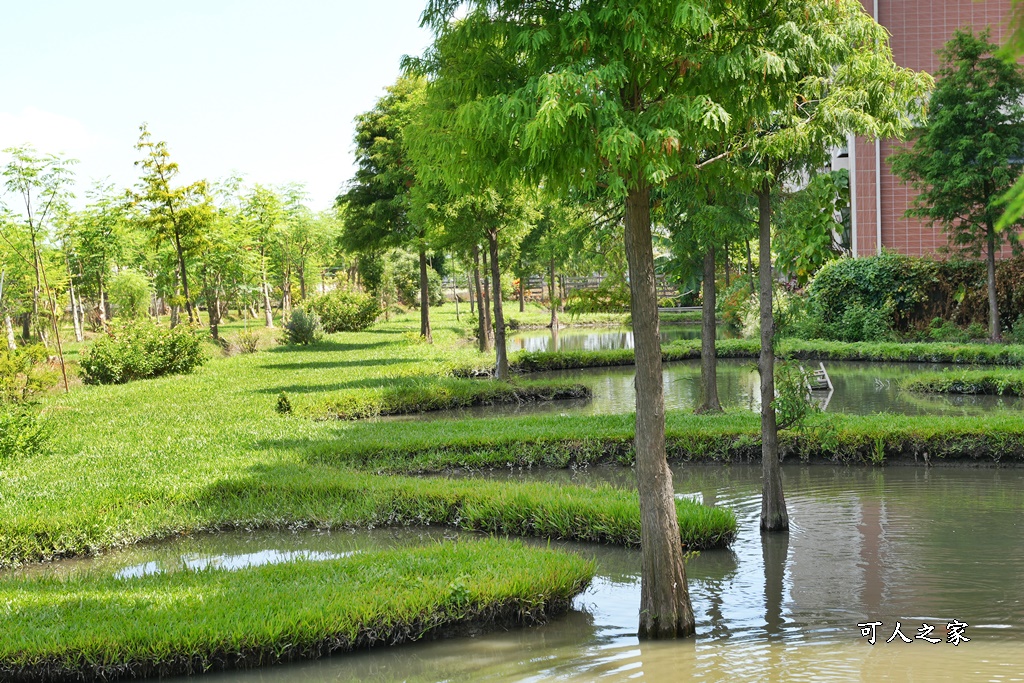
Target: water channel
913	545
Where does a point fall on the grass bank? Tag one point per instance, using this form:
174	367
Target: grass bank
573	441
995	382
171	455
425	394
800	349
121	628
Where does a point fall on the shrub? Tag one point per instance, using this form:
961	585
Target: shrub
344	311
302	327
891	283
129	293
246	341
138	350
734	303
24	372
610	297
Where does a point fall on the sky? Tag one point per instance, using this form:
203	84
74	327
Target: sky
264	88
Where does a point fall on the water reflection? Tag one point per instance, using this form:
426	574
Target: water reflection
598	338
860	389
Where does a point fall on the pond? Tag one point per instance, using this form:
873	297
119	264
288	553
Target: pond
860	388
598	338
913	545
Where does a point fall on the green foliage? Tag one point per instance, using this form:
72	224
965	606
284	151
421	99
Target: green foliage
610	297
996	382
303	327
138	350
736	302
806	224
246	341
343	310
284	404
968	153
24	373
792	394
130	292
895	284
406	269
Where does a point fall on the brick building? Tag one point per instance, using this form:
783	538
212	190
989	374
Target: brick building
919	29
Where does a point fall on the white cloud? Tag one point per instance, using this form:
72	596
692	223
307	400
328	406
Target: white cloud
46	131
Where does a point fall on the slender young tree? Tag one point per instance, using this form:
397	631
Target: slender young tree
171	213
968	155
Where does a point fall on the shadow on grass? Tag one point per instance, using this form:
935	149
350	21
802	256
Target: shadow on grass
327	346
364	383
327	364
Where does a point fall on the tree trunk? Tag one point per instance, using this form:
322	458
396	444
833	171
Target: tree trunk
483	337
302	279
665	610
522	294
101	296
501	357
455	294
750	269
727	268
424	298
9	327
471	290
708	360
551	295
26	327
488	326
773	503
184	279
265	291
993	306
74	310
286	290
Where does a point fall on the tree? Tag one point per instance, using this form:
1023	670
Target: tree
171	213
263	209
42	183
969	153
376	203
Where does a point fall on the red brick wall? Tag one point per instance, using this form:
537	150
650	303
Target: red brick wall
919	28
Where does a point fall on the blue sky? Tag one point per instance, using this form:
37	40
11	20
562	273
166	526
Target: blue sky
265	88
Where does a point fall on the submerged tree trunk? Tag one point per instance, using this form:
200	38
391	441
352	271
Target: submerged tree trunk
993	306
552	299
488	327
483	337
501	356
773	503
665	610
708	359
424	298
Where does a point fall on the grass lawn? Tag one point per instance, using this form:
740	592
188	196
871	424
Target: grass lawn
157	457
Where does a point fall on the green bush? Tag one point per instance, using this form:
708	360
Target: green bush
138	350
735	302
891	283
303	327
130	292
344	310
24	372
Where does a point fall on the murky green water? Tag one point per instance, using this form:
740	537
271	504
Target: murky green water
912	545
